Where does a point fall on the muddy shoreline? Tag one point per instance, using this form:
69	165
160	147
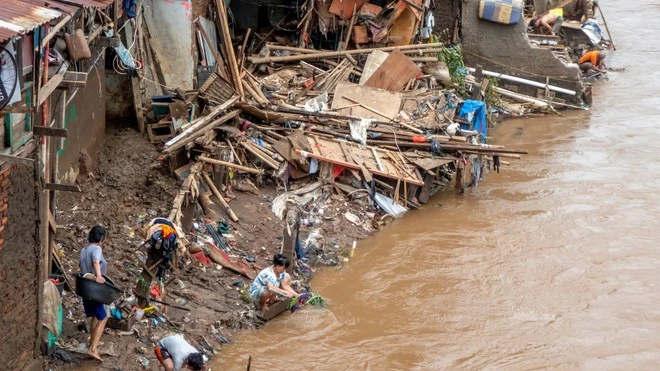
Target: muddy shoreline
127	186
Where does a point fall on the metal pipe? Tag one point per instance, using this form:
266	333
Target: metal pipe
526	82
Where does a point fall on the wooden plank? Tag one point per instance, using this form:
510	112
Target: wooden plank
51	222
220	197
48	88
426	188
50	131
201	126
394	72
378	162
16	159
16	109
62	187
354	166
345	8
385	102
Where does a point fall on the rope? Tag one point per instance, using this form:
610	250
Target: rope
518	69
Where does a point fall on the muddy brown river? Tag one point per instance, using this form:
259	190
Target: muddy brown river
553	263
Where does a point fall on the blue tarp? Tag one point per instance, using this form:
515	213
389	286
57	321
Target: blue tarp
474	111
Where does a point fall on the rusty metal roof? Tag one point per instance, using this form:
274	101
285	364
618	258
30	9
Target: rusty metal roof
90	3
21	16
18	17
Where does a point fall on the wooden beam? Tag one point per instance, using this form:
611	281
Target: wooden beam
73	79
16	109
62	187
54	30
16	159
231	165
51	222
201	125
354	166
50	131
47	89
217	194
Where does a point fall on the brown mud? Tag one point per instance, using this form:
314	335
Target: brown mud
128	186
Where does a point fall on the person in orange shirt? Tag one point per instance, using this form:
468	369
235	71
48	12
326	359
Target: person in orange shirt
593	61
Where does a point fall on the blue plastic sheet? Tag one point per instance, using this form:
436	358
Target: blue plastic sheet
474	111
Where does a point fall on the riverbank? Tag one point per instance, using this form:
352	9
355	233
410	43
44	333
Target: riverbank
127	186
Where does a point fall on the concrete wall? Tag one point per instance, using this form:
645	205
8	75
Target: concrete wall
85	121
445	13
506	49
20	266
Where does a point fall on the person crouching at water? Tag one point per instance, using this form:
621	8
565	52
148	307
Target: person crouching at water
271	282
173	352
93	262
593	61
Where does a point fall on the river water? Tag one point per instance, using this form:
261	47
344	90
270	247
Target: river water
552	263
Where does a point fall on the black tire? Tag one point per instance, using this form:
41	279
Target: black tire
5	94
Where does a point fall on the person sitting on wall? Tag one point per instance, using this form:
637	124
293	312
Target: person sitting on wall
549	23
173	352
271	282
581	10
593	61
92	262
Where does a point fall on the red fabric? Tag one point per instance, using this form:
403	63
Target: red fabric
201	257
336	170
155	291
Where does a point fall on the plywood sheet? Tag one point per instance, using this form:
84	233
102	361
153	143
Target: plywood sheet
374	60
344	8
394	73
383	101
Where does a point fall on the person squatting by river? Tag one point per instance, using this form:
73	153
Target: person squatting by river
593	61
173	352
271	282
93	262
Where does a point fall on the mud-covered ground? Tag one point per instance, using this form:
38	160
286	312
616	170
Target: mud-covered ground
127	186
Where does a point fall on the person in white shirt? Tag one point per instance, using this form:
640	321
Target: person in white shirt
174	352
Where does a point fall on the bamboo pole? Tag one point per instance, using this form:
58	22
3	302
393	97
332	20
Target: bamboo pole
292	58
217	194
260	155
606	28
231	165
229	48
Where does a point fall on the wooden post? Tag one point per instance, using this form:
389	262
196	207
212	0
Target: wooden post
217	194
229	48
478	77
290	233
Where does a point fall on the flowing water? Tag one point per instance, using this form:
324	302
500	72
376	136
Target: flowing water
552	263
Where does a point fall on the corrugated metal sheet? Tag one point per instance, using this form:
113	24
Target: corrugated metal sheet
18	17
90	3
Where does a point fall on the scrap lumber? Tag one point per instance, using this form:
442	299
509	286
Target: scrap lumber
201	126
217	194
188	187
231	165
268	161
341	53
394	72
228	46
353	166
